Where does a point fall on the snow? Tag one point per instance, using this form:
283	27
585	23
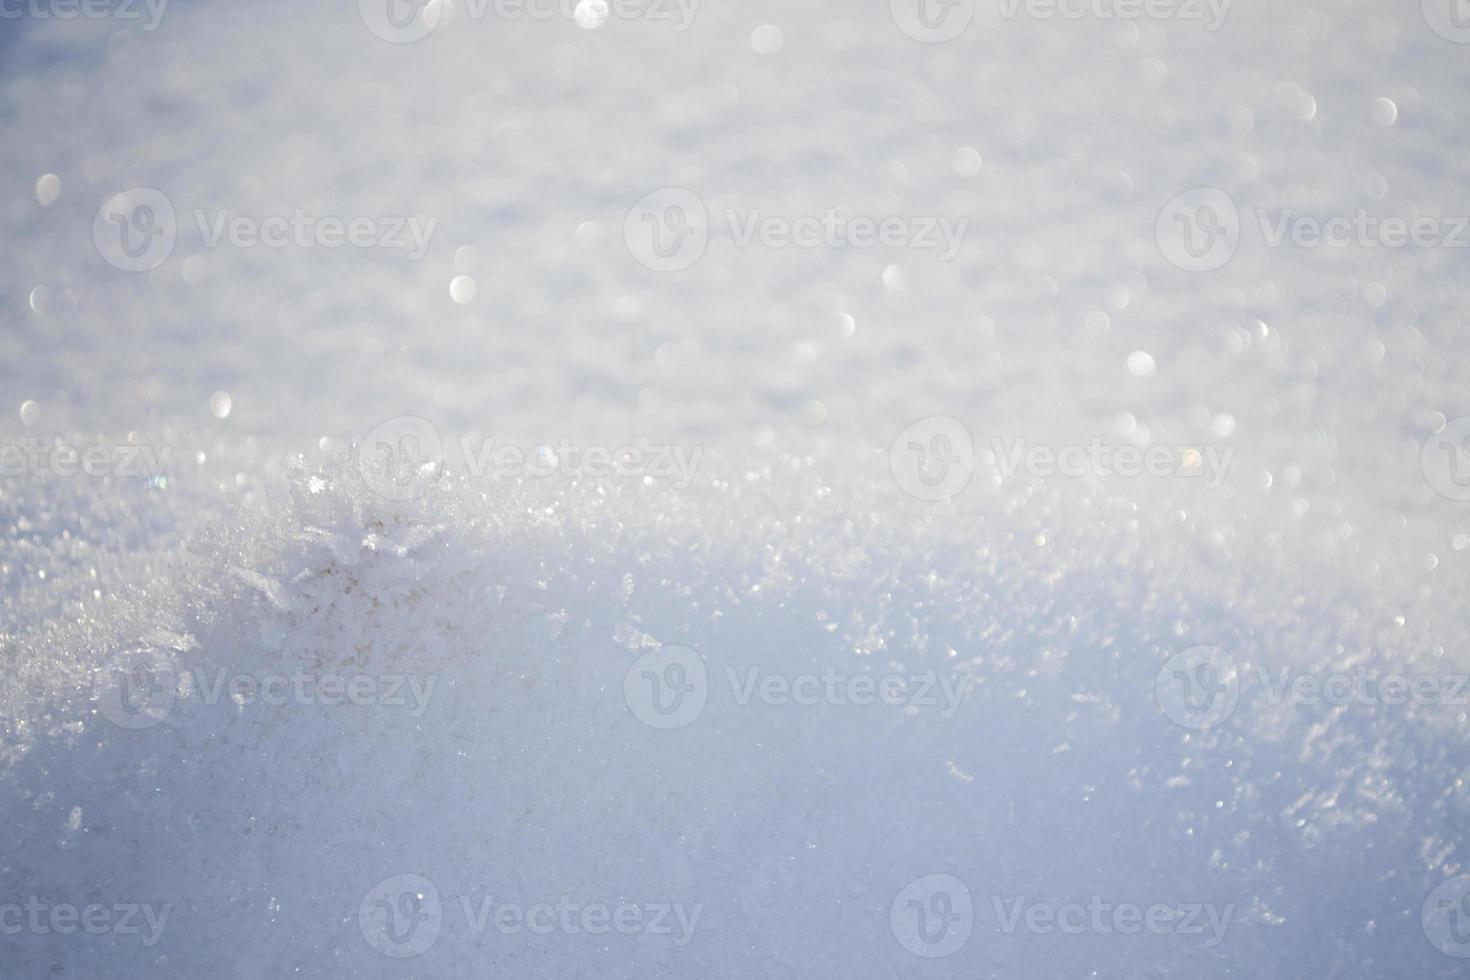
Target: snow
365	650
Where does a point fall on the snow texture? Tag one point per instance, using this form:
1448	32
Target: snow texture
166	742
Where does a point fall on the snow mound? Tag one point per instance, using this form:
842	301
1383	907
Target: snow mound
353	729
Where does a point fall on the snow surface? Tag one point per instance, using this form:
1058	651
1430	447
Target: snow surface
529	603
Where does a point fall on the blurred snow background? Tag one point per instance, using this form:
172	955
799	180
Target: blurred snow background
260	379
